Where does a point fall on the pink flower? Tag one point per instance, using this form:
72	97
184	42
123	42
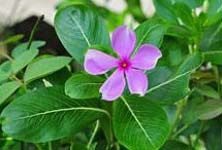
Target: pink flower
130	68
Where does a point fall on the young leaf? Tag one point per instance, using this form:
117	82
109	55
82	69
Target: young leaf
139	124
80	27
47	114
45	66
5	70
150	31
7	89
23	60
18	50
83	86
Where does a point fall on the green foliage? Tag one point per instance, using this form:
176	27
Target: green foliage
7	89
23	60
83	86
80	27
140	122
48	114
44	67
51	98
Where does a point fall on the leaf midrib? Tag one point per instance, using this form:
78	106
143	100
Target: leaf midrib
63	110
81	30
168	81
138	122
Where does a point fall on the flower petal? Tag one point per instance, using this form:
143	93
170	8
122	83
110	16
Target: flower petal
146	57
123	41
97	62
114	86
137	81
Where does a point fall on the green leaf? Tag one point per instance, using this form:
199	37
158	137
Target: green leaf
12	39
80	27
139	124
175	12
215	57
173	86
212	38
5	71
48	114
213	12
175	145
207	91
209	109
45	66
23	60
18	50
165	10
83	86
7	89
150	31
191	3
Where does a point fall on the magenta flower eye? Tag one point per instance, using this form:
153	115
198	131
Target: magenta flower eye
128	68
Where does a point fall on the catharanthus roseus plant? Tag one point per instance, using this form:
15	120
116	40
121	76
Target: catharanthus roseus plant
127	66
164	70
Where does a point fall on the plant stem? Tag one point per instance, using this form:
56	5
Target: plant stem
93	134
180	108
38	146
50	145
199	132
71	146
34	30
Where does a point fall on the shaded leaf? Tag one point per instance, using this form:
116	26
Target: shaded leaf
48	114
139	124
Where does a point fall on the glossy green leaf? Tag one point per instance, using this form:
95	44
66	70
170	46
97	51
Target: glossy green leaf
139	124
150	31
23	60
174	86
47	114
83	86
18	50
79	27
7	89
209	109
45	66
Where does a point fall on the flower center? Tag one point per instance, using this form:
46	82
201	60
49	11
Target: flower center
124	64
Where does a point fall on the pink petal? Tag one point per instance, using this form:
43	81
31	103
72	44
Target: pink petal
97	62
114	86
146	57
137	81
123	41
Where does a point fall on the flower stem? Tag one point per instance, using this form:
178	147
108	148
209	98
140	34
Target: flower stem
34	30
93	134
